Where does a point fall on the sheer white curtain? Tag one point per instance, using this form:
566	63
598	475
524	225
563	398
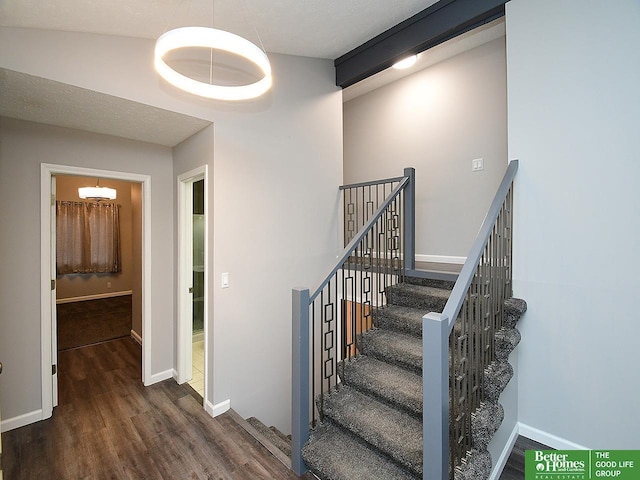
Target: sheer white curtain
88	237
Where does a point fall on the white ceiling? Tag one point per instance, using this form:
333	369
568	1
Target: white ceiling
310	28
313	28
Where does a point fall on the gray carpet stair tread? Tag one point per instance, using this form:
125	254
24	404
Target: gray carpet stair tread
392	384
334	454
395	433
390	346
283	444
401	319
430	299
285	438
429	282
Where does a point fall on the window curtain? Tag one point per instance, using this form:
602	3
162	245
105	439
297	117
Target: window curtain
87	237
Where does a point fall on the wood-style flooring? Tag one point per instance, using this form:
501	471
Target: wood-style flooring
514	469
93	321
109	426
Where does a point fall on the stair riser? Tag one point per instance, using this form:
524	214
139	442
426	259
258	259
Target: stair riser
383	319
496	378
506	341
394	434
485	423
425	303
410	403
409	358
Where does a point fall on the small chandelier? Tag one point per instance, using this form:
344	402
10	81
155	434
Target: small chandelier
214	39
97	193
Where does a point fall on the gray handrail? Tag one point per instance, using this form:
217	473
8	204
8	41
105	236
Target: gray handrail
346	253
436	331
373	182
454	304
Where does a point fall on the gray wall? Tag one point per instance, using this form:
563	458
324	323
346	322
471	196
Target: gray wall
574	112
436	120
277	162
23	147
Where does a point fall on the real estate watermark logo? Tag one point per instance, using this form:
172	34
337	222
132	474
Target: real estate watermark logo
582	464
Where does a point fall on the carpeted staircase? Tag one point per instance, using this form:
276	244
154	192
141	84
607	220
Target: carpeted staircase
372	425
281	441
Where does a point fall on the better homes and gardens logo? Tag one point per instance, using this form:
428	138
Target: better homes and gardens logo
582	464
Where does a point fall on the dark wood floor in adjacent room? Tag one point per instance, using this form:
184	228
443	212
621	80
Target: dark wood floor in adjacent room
108	425
514	469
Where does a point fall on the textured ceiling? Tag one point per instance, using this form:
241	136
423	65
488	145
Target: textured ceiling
311	28
40	100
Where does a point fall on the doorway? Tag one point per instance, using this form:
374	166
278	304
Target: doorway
192	280
98	295
48	273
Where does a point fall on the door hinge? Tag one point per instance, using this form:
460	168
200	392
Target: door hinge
53	200
54	369
53	284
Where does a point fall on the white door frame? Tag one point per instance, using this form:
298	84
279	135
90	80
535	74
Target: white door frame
185	274
47	269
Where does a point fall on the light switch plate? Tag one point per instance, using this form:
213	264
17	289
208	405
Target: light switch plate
225	280
477	165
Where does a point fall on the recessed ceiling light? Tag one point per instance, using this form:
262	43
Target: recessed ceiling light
406	62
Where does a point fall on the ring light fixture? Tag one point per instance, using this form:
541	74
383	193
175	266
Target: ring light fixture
218	40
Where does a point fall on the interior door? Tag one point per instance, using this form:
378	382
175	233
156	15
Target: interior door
185	287
54	311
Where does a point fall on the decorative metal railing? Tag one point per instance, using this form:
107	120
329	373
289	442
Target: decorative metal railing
459	343
327	322
361	200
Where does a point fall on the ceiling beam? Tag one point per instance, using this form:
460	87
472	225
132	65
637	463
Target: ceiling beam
438	23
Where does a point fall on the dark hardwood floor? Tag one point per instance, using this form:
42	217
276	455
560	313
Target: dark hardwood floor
93	321
109	426
514	469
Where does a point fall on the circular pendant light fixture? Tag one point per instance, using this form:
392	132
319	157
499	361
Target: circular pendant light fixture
97	193
218	40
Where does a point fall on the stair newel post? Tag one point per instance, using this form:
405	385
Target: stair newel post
410	220
300	378
435	396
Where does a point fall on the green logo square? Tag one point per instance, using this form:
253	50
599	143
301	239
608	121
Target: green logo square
582	464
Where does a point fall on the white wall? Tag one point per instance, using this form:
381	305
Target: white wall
574	110
437	120
276	161
23	147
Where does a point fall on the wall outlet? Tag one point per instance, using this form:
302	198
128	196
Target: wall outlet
477	165
225	280
108	284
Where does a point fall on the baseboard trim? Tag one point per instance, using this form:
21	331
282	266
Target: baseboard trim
440	259
21	420
217	409
159	377
548	438
96	296
504	456
136	337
